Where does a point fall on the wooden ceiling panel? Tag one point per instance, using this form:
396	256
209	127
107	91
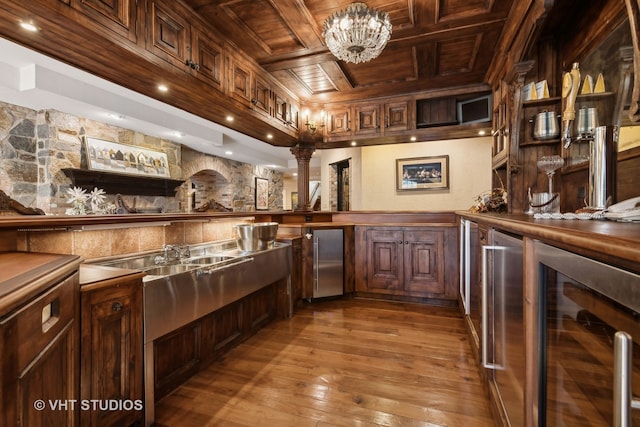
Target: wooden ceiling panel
435	44
455	56
260	20
393	65
457	9
314	78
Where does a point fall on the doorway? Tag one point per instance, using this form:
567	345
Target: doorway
340	178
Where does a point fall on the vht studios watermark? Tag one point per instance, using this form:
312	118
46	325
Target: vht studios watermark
88	405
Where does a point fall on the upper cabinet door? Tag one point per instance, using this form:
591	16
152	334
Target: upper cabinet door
367	119
207	59
339	122
118	16
168	32
396	116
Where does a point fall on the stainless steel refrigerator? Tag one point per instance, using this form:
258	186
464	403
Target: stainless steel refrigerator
328	263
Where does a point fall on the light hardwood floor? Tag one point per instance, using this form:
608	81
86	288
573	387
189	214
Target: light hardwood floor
340	363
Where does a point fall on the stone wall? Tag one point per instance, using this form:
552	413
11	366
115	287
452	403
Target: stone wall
36	145
230	183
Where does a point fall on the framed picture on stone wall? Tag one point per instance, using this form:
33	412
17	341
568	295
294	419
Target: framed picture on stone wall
422	173
114	157
262	194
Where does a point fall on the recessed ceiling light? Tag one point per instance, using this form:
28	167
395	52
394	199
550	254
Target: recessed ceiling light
229	118
295	174
413	138
163	88
353	143
228	152
28	26
482	133
269	136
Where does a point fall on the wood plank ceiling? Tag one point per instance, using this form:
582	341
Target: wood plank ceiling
435	44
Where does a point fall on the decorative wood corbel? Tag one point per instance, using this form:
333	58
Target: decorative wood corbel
9	204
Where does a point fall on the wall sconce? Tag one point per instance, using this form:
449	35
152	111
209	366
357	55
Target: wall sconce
313	123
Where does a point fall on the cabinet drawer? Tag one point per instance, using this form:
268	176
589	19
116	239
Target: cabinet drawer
43	319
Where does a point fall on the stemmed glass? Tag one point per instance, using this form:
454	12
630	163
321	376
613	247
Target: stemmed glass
550	164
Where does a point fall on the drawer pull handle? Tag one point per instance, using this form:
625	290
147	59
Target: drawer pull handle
116	306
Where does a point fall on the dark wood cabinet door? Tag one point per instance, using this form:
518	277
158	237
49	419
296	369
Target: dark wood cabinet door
423	264
339	122
384	263
176	356
207	58
39	360
281	107
240	78
396	116
112	351
261	308
262	97
367	119
228	327
168	32
118	16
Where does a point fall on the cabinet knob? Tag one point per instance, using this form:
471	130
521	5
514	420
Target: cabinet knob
116	306
400	242
406	242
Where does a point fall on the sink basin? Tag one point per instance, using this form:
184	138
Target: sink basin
167	270
207	260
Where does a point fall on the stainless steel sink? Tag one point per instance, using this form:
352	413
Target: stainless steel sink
184	289
168	270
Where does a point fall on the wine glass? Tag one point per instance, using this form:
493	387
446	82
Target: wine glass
550	164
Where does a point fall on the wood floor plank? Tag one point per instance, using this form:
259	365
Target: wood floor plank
340	363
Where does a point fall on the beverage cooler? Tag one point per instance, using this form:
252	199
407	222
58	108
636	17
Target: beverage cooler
589	336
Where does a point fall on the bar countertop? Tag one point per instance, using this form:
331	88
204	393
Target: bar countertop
608	241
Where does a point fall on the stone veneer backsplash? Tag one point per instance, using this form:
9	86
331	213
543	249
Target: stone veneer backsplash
108	243
36	145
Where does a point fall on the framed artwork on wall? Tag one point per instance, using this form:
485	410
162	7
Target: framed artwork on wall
262	194
422	173
111	156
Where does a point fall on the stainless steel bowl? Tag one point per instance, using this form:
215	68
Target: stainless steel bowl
256	236
546	126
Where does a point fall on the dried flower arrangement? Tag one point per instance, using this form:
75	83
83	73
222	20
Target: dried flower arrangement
86	204
491	200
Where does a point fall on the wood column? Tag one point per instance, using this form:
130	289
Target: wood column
303	152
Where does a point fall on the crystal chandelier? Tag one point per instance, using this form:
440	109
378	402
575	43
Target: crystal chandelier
357	34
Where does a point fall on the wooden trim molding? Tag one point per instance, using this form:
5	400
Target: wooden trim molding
633	10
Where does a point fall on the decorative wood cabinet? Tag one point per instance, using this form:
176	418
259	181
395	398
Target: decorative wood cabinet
407	262
172	36
168	32
207	59
240	80
436	112
396	117
39	343
262	99
111	348
338	124
367	119
117	16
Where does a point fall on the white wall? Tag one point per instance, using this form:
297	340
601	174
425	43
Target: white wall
373	180
335	155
